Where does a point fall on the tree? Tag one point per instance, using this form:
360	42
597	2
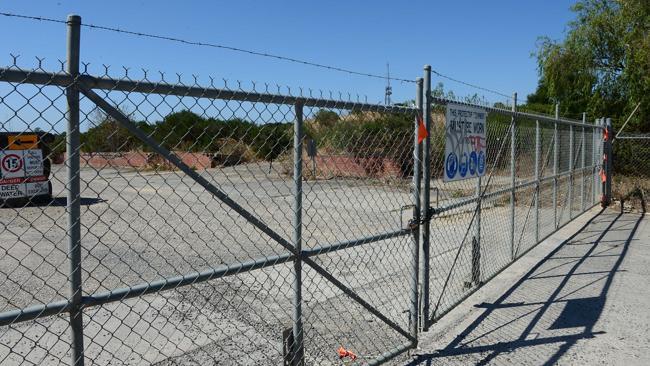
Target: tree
602	67
107	135
325	118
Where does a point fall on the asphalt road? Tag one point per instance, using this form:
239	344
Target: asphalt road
140	226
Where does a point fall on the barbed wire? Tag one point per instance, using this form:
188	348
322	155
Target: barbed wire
471	85
256	53
215	45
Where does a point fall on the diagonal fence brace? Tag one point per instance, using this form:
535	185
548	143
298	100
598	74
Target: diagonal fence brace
198	178
132	128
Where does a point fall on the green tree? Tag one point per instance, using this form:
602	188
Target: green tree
325	118
602	67
107	135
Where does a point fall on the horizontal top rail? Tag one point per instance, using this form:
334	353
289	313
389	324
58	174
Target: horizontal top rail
125	85
508	112
633	137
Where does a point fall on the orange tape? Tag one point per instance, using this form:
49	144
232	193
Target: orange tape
422	130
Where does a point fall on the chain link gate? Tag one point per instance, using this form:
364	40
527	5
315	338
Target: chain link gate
542	172
207	224
199	230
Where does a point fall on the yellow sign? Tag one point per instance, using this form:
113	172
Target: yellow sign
23	142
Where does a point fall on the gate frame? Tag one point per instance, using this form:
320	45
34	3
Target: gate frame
429	319
77	84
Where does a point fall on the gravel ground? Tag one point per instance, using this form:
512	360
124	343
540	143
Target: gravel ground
143	226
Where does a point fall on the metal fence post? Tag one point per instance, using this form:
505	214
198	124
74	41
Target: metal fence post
603	161
414	316
594	161
571	171
476	242
555	163
73	206
513	152
298	346
582	165
537	185
608	162
426	198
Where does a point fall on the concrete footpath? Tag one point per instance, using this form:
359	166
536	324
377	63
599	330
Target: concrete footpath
584	300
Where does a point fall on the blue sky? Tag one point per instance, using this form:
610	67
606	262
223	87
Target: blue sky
483	42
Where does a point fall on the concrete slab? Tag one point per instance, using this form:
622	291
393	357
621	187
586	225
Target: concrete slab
576	301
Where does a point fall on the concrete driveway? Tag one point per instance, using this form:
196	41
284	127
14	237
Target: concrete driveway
577	301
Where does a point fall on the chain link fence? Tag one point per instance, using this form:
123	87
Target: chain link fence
542	172
192	222
631	177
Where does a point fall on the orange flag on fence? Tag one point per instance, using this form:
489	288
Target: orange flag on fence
603	176
606	135
422	130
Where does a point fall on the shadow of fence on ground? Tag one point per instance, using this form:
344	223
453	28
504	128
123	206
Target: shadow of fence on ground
568	289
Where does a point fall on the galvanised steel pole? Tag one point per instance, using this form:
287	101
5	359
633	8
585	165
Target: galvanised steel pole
513	152
603	158
73	206
609	162
555	167
571	168
601	162
415	317
298	346
594	161
582	165
537	185
426	200
476	243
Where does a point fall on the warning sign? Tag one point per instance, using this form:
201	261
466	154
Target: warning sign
465	143
21	174
33	163
12	165
22	142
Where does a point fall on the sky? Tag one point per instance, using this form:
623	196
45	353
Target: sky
488	43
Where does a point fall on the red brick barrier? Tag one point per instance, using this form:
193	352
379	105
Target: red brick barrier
137	159
348	166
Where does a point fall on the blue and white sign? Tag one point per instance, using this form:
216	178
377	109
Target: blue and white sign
481	163
472	163
451	165
465	143
462	167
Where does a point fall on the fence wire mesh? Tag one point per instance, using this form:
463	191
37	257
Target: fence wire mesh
152	235
223	223
481	225
631	177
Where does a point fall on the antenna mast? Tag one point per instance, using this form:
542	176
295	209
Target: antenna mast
389	89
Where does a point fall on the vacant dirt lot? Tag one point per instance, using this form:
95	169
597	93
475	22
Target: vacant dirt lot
140	226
